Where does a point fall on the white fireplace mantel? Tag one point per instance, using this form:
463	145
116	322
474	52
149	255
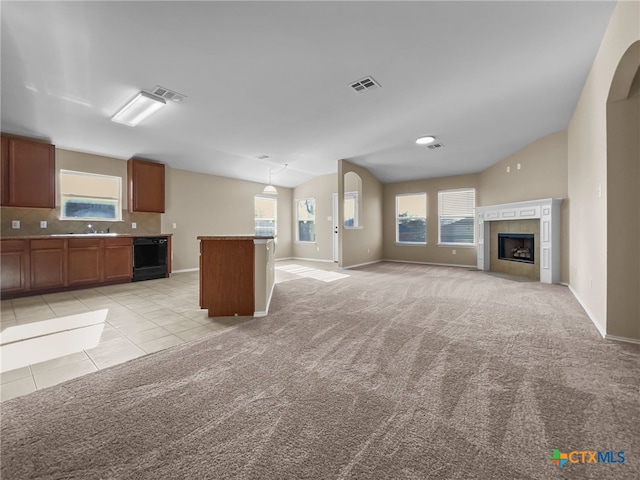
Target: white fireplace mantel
547	210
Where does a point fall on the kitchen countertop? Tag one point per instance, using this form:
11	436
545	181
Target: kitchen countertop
82	235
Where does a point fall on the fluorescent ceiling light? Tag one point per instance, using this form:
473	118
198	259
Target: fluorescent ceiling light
425	140
139	108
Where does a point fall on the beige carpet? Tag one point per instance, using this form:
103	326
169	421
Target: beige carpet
398	371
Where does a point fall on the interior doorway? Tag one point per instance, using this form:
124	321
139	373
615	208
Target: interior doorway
623	198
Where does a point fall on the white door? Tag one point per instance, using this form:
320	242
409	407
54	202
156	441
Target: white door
336	243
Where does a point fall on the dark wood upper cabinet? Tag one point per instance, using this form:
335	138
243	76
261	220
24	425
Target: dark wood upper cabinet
146	186
28	173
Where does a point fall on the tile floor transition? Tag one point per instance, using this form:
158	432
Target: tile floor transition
141	318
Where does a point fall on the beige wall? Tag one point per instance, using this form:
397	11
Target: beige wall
587	160
543	174
201	204
363	244
322	189
431	252
147	223
623	201
85	162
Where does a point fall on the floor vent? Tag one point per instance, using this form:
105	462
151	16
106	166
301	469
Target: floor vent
433	146
168	94
364	84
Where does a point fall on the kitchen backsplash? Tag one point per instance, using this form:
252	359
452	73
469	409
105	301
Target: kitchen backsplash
30	218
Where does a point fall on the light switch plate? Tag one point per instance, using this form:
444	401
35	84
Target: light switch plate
175	225
134	225
15	224
43	224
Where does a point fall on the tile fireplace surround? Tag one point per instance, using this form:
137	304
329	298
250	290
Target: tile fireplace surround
547	210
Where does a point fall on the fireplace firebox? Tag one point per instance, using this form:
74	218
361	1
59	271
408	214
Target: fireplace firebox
516	247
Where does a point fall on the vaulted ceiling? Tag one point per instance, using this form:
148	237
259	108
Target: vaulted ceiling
273	78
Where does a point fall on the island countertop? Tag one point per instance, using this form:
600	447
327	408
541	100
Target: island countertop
233	237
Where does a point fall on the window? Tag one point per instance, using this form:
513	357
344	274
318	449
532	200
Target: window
351	209
306	220
266	209
89	196
411	218
456	211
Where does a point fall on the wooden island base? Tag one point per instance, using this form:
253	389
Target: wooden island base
236	275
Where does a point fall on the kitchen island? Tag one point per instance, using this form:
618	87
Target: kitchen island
236	274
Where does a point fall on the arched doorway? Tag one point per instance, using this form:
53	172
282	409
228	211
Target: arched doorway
623	198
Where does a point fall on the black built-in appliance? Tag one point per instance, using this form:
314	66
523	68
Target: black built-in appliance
149	258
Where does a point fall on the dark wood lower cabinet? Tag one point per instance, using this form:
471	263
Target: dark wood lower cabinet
14	266
118	259
48	264
85	261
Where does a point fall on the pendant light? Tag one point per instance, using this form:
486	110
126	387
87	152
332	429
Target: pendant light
270	189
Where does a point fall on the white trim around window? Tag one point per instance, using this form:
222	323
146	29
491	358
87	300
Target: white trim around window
456	217
305	218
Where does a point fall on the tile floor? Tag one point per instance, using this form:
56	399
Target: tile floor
142	318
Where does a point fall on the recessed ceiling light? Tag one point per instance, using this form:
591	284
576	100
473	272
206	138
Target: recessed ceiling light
425	140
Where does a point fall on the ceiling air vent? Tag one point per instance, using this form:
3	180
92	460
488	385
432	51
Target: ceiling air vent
168	94
365	84
433	146
263	157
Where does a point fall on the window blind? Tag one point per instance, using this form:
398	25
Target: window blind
456	212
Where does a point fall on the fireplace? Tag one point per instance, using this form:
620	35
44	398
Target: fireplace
546	216
516	247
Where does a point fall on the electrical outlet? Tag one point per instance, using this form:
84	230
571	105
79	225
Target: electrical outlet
368	250
43	224
453	252
317	249
134	225
518	166
175	225
508	169
15	224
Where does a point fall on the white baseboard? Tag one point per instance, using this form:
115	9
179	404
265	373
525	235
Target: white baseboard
309	259
591	316
185	270
431	263
622	339
361	264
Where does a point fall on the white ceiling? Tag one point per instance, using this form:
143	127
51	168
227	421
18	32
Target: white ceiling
272	78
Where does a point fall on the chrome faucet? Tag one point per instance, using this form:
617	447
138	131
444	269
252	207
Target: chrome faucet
91	229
